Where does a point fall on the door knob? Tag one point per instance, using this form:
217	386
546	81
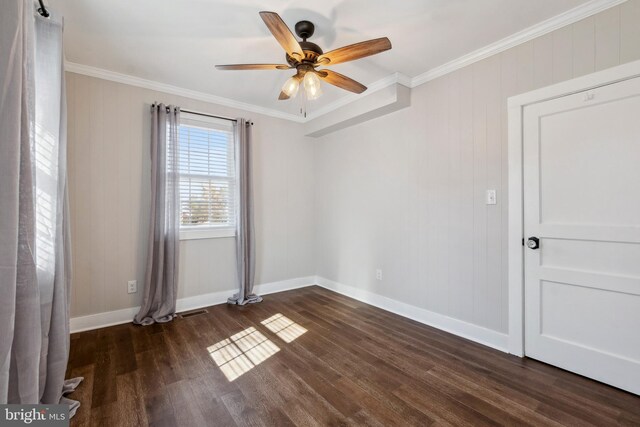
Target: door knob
533	243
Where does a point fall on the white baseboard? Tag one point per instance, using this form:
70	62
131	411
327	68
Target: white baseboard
476	333
285	285
102	320
125	315
461	328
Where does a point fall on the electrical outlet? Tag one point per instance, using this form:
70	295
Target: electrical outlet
132	286
491	197
378	274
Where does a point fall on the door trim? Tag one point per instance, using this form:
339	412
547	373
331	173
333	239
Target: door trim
515	231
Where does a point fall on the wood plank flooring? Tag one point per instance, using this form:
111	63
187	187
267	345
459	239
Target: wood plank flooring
313	357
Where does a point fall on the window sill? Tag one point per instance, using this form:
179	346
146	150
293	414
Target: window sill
206	233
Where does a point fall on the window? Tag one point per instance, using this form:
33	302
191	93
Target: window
207	177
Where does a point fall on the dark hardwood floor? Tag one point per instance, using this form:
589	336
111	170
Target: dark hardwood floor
312	357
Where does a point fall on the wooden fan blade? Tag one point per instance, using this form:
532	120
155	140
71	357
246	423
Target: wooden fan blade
253	67
355	51
341	81
283	34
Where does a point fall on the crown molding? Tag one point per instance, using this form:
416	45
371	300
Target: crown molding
404	80
113	76
566	18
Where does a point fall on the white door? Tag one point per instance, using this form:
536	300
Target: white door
582	201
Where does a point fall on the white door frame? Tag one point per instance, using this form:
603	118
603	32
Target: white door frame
516	106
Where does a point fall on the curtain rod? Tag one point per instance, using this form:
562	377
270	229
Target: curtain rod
211	115
43	10
208	115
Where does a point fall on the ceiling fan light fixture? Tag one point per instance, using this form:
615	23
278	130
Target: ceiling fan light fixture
291	86
312	87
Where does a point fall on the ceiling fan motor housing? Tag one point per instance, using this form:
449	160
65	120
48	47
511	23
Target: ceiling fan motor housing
311	52
304	30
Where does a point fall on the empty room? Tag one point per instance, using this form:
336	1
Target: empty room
337	213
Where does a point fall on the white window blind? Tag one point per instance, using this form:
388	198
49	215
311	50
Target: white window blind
207	176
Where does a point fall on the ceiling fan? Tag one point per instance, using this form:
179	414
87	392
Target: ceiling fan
306	56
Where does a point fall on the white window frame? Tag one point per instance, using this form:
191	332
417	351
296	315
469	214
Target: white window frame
192	232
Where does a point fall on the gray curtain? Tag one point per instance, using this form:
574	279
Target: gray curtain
35	273
161	278
245	233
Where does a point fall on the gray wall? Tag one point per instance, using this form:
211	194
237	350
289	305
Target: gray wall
109	181
406	192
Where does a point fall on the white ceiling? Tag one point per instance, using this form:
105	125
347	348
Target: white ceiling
179	42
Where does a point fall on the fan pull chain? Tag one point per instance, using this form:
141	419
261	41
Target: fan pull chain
303	103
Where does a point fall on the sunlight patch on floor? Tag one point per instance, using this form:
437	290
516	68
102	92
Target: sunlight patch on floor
242	352
285	328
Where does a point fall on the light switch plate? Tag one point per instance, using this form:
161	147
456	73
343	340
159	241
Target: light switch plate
491	197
